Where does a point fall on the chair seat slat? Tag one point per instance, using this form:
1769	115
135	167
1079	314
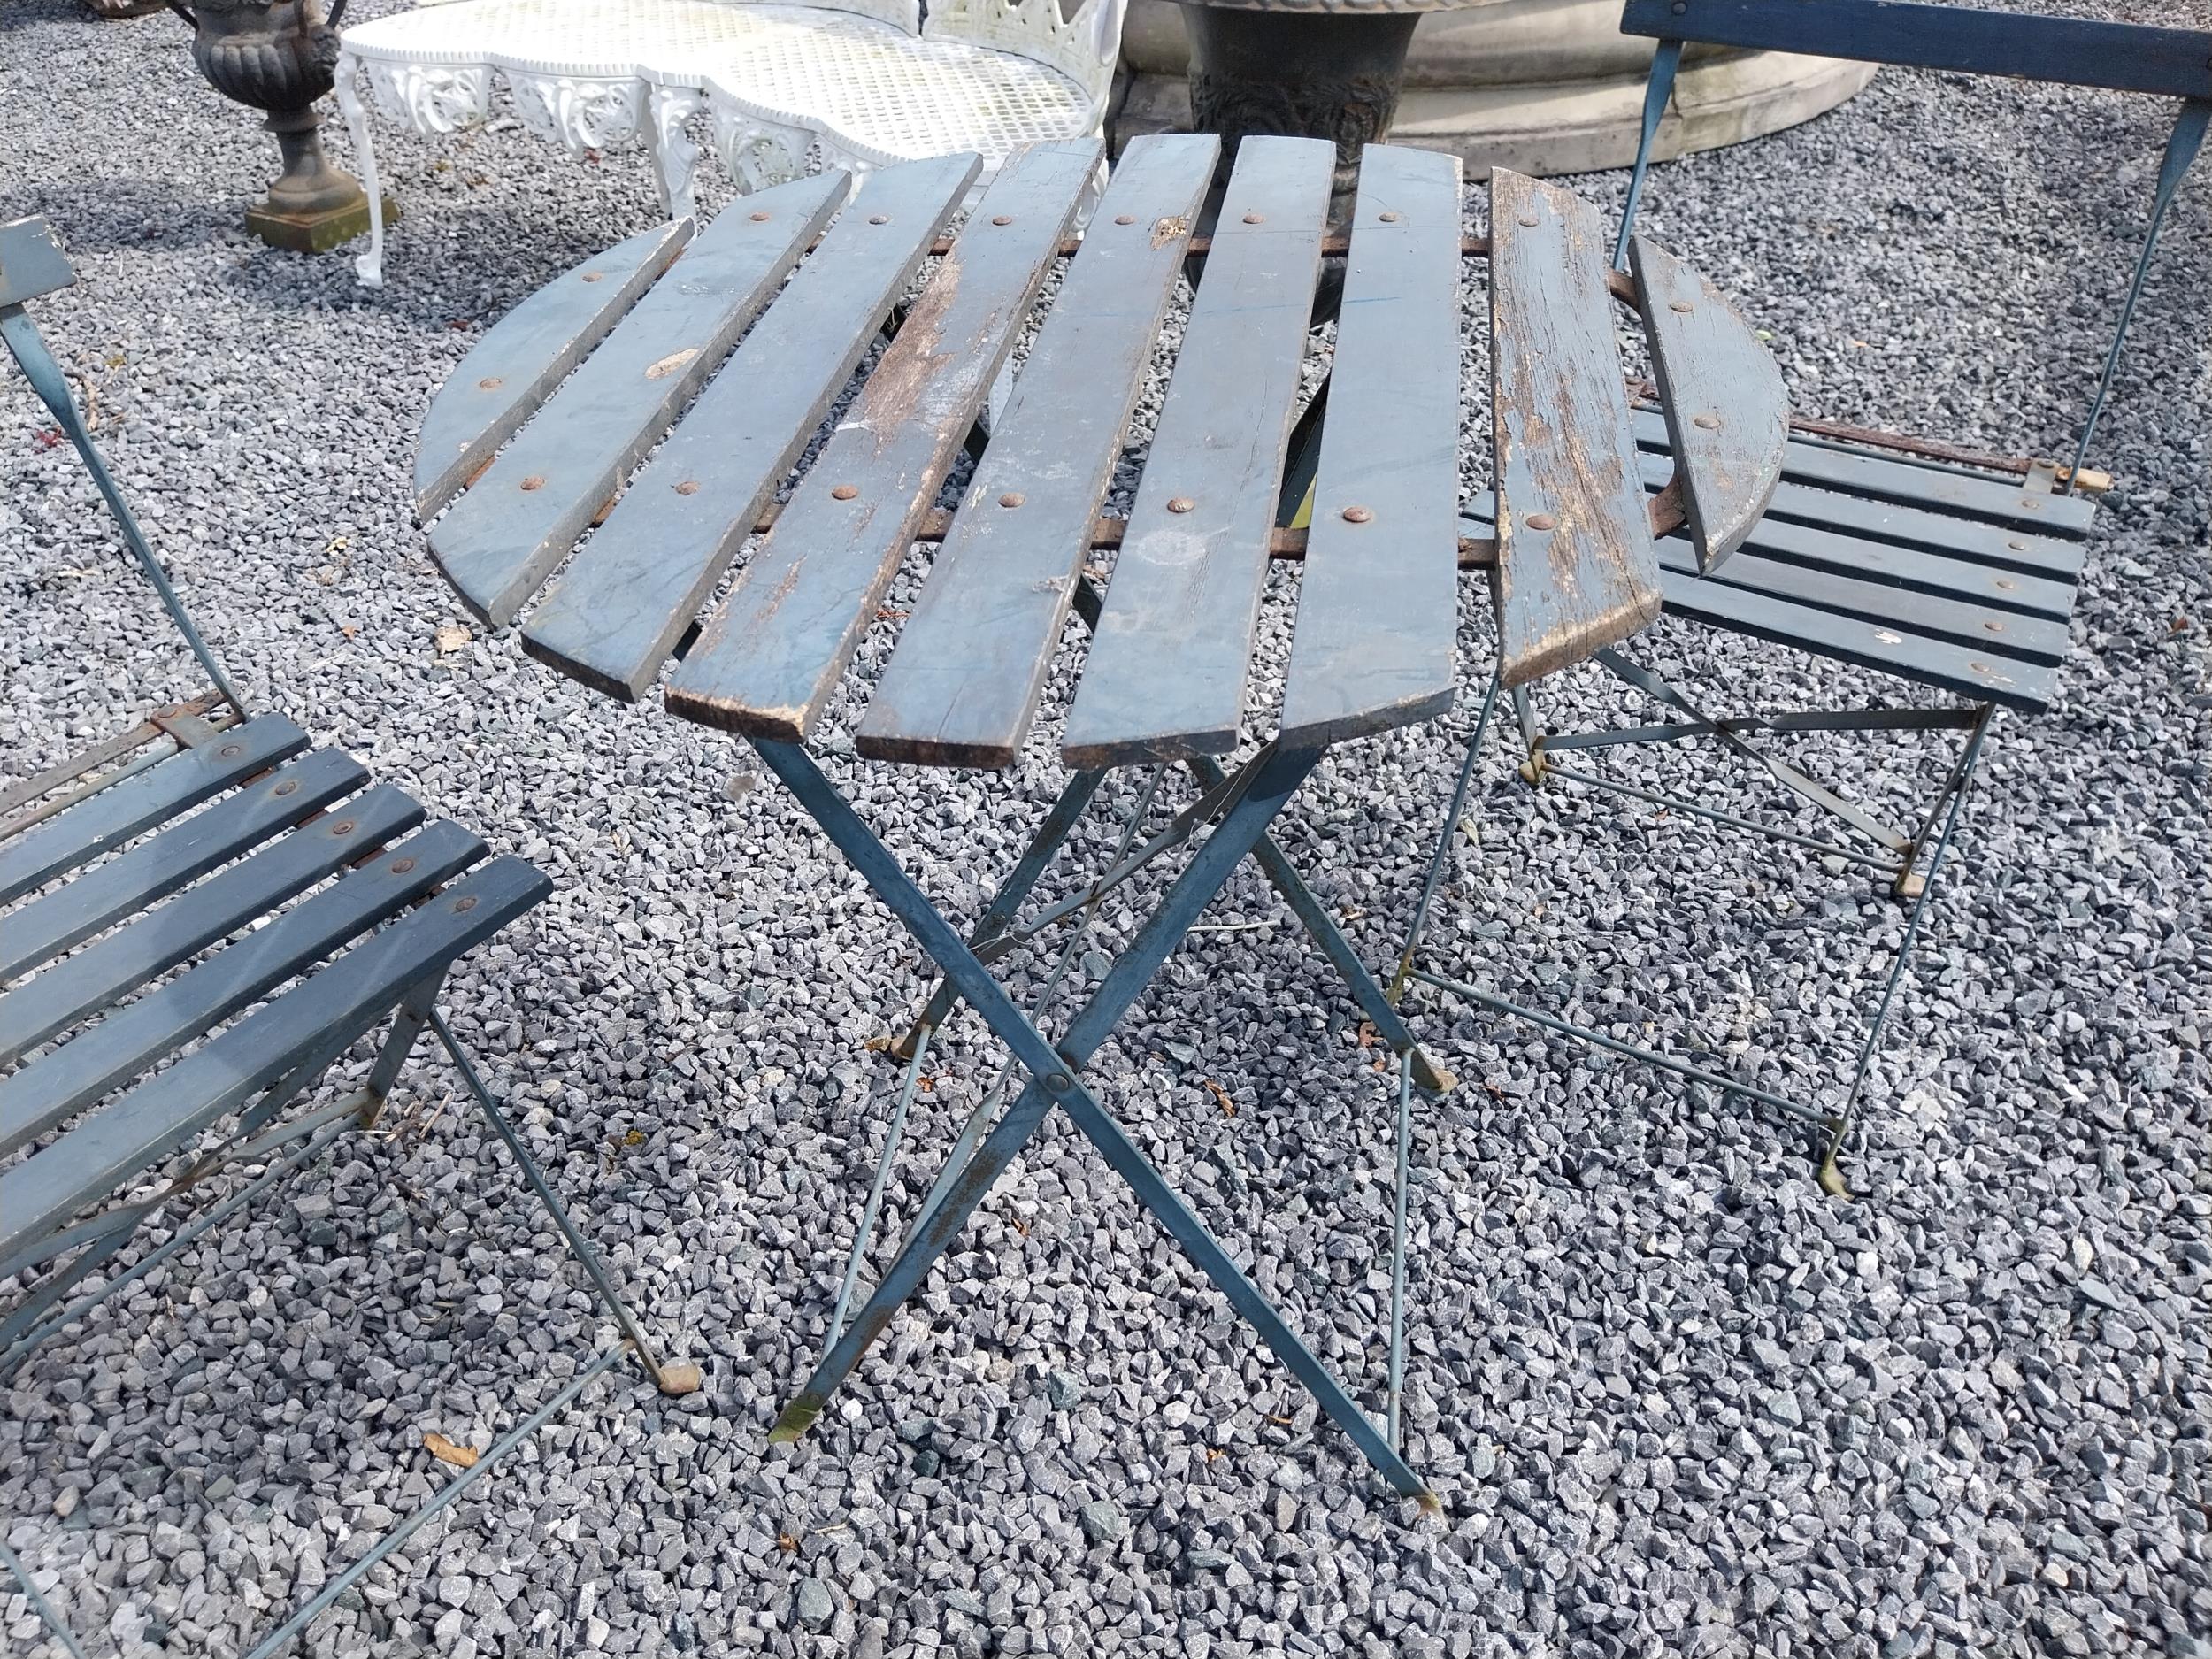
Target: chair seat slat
971	663
1166	672
625	601
1378	603
501	539
60	1083
164	1114
769	659
102	822
149	945
178	855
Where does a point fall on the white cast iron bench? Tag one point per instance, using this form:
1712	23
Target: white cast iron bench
867	80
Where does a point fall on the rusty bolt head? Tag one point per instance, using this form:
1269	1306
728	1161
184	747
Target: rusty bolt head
1254	218
1002	218
490	383
463	905
231	751
1979	668
2017	547
1011	498
1181	504
844	492
344	827
760	217
689	487
2031	504
1528	220
878	218
595	276
1392	218
1540	521
1684	306
290	785
1357	515
1994	625
1124	218
401	866
1706	423
536	481
2007	583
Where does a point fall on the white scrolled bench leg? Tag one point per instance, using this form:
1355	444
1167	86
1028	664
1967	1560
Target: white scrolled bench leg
675	157
368	270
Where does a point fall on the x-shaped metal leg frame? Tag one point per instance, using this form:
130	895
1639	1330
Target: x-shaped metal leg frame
1054	1080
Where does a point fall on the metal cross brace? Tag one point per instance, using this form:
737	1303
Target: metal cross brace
1263	786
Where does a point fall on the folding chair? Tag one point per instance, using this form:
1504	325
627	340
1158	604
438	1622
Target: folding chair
211	887
1952	570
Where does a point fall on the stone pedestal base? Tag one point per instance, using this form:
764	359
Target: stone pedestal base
316	231
1541	86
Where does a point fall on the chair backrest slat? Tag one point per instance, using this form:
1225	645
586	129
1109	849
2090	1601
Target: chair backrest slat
2074	51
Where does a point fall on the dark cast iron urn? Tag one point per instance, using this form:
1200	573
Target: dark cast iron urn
278	55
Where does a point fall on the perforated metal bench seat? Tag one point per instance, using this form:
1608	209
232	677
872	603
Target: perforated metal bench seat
1957	577
250	898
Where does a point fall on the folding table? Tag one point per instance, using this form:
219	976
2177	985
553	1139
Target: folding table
784	295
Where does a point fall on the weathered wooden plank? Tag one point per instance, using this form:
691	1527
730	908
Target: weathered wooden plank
964	682
180	854
1727	415
1986	676
88	1161
771	657
1576	570
527	352
31	262
105	821
626	598
502	538
1994	548
1378	606
1981	628
57	1084
2073	51
1166	675
1937	492
153	943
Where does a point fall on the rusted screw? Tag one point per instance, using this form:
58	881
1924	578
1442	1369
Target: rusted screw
2017	547
1011	498
490	383
2031	504
760	217
290	785
595	276
463	906
878	218
1181	504
1390	218
1979	668
231	751
536	481
1994	625
1540	521
1707	423
401	866
2007	583
1124	218
1254	218
1529	219
845	492
1684	306
689	487
1002	218
1357	515
344	827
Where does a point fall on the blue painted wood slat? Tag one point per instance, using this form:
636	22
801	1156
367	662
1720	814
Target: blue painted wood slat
1378	601
771	657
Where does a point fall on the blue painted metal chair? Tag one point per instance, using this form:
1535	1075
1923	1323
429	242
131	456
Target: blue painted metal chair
211	886
1953	572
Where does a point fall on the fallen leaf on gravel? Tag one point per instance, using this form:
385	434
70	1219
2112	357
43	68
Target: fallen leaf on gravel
1221	1094
446	1452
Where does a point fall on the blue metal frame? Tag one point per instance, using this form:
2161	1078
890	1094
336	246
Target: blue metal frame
1261	788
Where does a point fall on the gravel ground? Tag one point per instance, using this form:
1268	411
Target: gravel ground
1676	1399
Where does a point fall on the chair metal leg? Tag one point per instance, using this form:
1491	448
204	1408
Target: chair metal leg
1442	855
1053	1081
